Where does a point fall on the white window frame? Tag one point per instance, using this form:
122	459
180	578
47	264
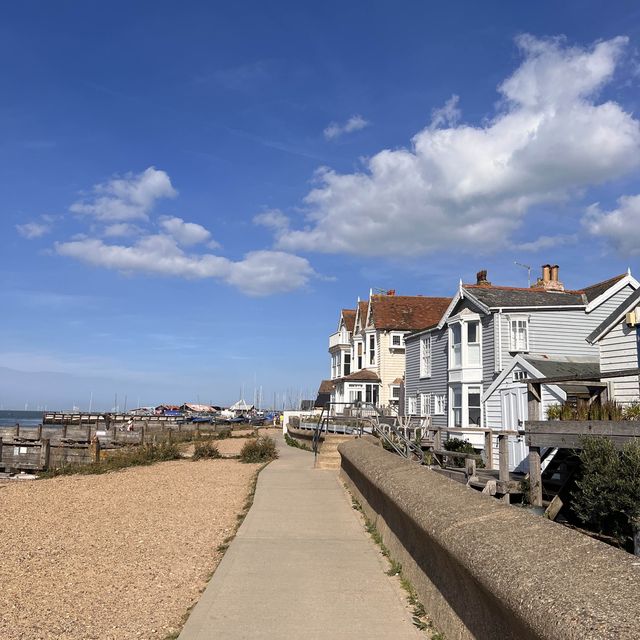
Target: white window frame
465	388
412	405
514	320
439	404
519	375
396	334
371	352
425	405
394	388
465	361
344	363
425	356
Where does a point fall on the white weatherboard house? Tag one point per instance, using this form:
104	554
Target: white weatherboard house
367	351
618	341
451	367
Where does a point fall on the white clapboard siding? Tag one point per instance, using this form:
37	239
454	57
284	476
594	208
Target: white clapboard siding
437	383
619	350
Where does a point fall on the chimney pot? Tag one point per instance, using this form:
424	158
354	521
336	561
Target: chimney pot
481	278
546	273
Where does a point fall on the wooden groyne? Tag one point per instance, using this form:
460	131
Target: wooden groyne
49	446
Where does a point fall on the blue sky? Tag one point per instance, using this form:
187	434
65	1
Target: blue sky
190	193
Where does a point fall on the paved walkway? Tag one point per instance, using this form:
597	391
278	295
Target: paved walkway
301	566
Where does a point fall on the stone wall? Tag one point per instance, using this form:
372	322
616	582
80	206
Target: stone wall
487	570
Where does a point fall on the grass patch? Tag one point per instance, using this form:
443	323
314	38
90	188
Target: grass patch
296	444
262	449
206	450
419	615
126	457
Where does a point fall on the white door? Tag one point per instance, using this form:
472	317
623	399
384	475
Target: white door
514	413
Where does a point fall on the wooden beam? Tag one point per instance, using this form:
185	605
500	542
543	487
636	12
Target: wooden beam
535	477
503	454
488	449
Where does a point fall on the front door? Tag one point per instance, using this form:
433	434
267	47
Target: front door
514	413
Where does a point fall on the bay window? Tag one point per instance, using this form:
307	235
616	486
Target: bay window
466	406
456	345
465	342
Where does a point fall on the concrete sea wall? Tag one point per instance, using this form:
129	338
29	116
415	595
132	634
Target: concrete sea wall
487	570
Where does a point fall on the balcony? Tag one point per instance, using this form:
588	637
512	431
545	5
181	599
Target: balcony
339	339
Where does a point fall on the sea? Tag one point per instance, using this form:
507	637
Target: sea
9	418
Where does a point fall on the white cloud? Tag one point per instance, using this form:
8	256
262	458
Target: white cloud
121	230
272	219
619	228
31	230
469	187
186	233
130	197
547	242
260	273
354	123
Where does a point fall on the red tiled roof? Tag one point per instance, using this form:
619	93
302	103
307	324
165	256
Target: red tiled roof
349	317
406	313
364	375
363	308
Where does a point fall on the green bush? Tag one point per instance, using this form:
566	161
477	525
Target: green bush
206	450
607	497
460	445
296	444
126	457
262	449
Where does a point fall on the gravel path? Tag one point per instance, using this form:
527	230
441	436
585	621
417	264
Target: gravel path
116	556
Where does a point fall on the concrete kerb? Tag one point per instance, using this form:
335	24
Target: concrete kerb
487	570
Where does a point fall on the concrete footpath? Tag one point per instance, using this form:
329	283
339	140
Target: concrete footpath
301	566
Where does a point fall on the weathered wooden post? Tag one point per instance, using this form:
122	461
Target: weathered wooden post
88	436
0	451
534	401
503	455
64	431
17	430
142	434
470	468
45	453
94	449
488	448
39	432
437	439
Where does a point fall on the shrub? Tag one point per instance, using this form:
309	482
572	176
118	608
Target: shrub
262	449
224	433
296	444
204	450
458	444
607	498
554	411
632	411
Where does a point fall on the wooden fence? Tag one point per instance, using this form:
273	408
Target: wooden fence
50	446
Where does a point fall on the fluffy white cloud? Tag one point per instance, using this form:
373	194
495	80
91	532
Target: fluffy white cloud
272	219
121	230
620	228
186	233
354	123
260	273
130	197
469	187
31	230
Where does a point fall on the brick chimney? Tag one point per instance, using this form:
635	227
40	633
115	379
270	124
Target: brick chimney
481	278
549	279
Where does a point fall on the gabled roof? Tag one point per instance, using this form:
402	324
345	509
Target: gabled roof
406	313
595	290
241	405
349	319
540	365
364	375
361	313
326	386
614	317
324	393
507	297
